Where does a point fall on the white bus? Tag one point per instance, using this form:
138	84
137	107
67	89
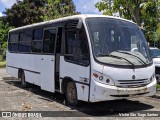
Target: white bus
85	57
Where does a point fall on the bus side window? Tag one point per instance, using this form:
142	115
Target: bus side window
49	41
25	41
13	42
70	45
83	48
37	40
76	47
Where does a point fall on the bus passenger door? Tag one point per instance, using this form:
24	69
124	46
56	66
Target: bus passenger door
48	60
57	58
75	64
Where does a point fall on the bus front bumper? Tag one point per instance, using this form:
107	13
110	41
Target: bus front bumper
102	92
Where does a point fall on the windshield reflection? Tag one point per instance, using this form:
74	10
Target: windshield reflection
110	36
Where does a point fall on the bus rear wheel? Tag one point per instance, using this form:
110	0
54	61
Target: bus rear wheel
23	81
71	94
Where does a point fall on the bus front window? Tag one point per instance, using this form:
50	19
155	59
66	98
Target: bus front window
114	40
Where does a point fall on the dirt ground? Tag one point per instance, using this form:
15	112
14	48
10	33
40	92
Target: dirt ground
15	98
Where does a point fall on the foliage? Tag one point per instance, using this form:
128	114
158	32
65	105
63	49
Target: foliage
149	19
129	9
32	11
2	64
158	86
4	28
143	12
59	8
25	12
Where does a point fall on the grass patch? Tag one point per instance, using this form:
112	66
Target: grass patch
158	86
2	64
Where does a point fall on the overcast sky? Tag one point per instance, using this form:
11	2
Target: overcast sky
83	6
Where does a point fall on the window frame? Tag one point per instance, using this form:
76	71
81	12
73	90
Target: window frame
9	42
35	40
64	50
25	41
49	28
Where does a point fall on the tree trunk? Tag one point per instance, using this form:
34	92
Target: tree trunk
137	15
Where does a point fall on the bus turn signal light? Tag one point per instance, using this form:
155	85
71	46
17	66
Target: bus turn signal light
95	75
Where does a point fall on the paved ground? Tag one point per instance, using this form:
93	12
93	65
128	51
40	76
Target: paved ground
15	98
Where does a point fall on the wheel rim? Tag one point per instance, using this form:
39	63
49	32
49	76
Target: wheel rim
71	93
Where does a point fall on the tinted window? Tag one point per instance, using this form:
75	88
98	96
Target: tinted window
76	47
12	47
25	41
49	41
38	34
36	46
26	35
37	41
13	42
24	47
83	49
13	37
70	42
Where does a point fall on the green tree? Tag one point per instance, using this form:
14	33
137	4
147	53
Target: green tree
149	19
4	28
129	9
59	8
143	12
25	12
32	11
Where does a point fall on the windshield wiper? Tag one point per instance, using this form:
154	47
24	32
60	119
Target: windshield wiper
118	57
132	55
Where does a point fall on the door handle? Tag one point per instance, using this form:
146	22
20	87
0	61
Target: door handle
84	79
52	60
42	59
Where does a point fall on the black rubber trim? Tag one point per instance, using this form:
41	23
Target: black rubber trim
128	95
24	69
78	82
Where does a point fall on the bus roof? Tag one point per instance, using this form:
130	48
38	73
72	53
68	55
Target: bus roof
82	16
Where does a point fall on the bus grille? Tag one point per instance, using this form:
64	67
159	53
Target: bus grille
132	83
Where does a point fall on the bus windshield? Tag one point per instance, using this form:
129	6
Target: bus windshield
118	42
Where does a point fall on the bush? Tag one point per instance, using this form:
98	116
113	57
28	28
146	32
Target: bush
2	64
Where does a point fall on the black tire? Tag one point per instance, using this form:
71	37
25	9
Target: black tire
23	81
71	94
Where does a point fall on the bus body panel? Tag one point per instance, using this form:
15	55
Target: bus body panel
82	91
38	69
102	91
79	74
30	65
127	74
12	71
47	73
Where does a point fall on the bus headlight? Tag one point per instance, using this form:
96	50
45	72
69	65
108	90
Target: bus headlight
99	77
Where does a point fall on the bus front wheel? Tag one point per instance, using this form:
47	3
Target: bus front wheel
71	93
